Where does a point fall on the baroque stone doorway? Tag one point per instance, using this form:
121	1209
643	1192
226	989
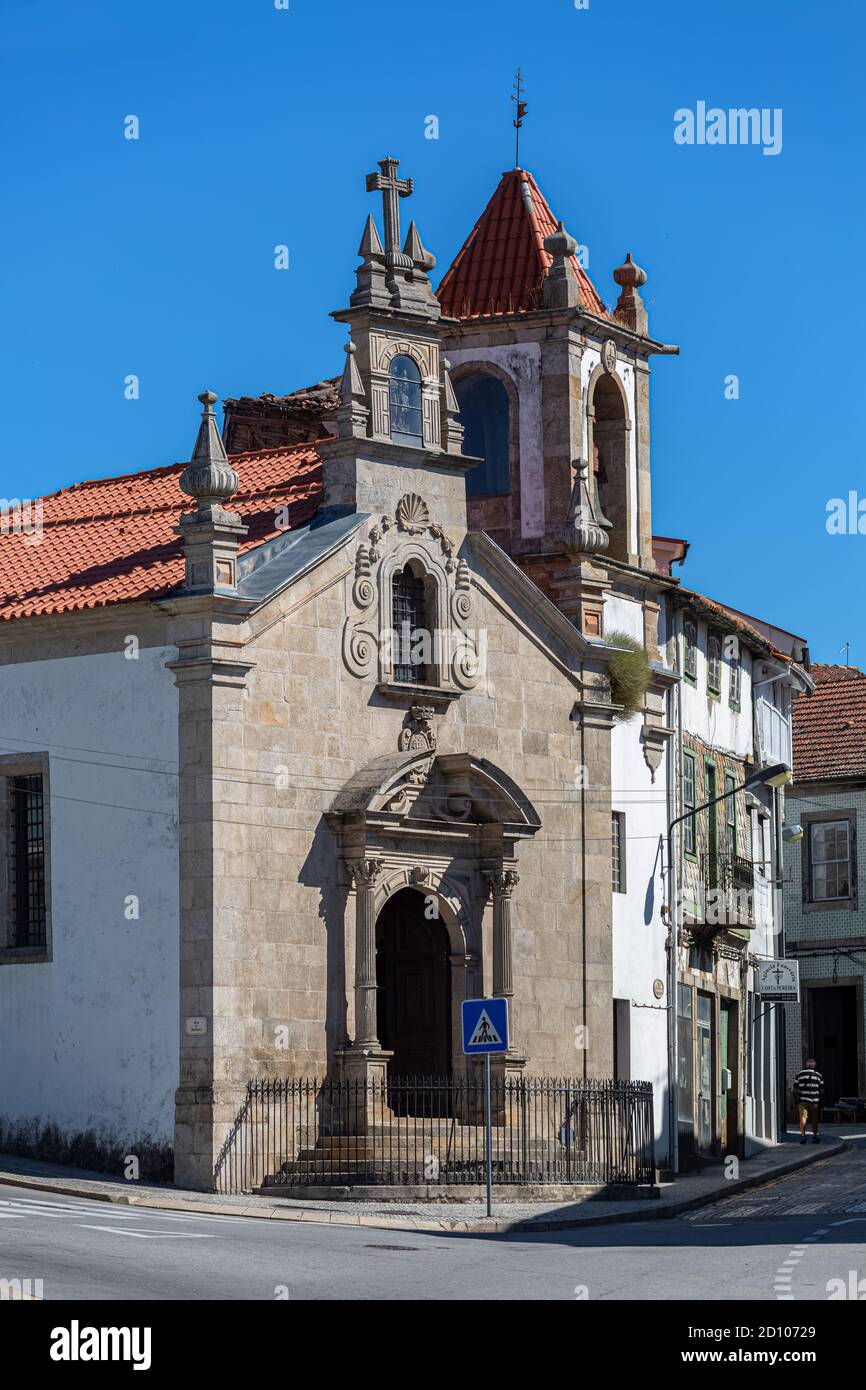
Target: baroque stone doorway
413	1002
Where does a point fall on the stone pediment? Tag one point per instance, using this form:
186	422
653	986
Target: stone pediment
424	786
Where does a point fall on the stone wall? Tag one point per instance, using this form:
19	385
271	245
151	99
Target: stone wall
288	735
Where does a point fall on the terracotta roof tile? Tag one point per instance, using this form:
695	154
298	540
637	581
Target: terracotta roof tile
112	540
501	266
829	726
730	619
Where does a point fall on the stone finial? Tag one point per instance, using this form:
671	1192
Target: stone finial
452	430
353	412
630	308
561	290
408	279
420	258
371	273
209	477
585	529
211	533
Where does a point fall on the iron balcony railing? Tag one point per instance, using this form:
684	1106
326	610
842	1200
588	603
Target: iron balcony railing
429	1131
728	883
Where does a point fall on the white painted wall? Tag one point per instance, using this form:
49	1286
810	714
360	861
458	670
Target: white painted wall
713	720
89	1040
639	932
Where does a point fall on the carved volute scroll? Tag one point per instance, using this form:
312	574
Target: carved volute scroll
411	535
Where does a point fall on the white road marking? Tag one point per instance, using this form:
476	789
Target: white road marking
35	1206
148	1235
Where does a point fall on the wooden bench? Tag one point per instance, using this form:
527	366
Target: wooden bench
847	1110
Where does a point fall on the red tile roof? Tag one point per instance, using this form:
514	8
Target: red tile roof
829	726
728	618
112	540
501	267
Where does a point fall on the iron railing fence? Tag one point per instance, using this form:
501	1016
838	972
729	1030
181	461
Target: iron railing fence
728	884
423	1131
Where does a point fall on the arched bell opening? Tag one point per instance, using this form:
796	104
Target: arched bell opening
609	458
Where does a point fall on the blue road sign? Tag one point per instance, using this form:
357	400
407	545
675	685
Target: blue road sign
485	1025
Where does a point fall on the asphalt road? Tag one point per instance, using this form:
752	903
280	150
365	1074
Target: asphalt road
784	1241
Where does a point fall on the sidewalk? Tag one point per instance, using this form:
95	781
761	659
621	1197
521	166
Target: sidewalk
689	1191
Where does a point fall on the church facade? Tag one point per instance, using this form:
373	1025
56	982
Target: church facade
315	737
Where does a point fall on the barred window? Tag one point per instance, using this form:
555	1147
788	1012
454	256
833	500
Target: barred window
714	663
27	898
690	635
689	802
617	851
412	631
829	860
404	392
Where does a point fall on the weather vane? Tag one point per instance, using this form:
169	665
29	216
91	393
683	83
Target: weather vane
521	112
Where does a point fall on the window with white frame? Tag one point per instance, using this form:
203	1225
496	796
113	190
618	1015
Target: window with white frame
830	867
730	815
688	781
690	645
735	678
714	664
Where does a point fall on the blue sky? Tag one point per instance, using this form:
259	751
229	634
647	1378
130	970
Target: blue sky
257	126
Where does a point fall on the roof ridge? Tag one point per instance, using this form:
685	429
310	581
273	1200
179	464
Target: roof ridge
162	470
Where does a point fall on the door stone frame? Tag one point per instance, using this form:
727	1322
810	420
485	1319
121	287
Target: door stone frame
448	826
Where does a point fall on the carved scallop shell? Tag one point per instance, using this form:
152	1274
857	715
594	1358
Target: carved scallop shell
412	513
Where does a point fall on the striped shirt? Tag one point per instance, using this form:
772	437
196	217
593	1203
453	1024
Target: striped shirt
809	1084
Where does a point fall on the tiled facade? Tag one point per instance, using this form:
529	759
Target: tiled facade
830	941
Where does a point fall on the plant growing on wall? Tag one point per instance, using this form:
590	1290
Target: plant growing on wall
629	673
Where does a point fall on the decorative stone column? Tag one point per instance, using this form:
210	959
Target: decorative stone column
364	1062
502	884
364	873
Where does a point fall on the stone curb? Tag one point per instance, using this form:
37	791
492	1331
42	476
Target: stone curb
646	1211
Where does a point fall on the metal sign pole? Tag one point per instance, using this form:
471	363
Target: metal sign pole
488	1137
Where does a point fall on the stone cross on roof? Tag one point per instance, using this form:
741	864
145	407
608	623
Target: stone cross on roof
392	190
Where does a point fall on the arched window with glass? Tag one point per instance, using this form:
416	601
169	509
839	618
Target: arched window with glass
484	415
404	396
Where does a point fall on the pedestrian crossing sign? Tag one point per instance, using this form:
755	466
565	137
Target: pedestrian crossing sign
485	1025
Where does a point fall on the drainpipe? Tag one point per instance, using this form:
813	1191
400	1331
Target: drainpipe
780	952
674	886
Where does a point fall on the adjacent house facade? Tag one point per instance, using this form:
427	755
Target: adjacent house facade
825	884
731	710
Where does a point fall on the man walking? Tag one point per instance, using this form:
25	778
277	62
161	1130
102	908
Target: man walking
808	1089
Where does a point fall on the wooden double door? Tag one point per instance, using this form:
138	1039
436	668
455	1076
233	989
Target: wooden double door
413	980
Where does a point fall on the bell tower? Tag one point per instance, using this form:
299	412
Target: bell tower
519	306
